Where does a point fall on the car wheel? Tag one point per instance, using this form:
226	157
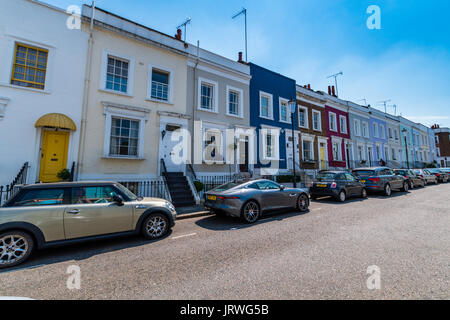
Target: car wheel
387	190
405	187
342	196
15	248
303	203
251	212
363	193
155	226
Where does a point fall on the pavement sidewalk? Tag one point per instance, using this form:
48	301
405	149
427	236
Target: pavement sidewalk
192	212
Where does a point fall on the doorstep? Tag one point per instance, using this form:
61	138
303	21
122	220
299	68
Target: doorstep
192	212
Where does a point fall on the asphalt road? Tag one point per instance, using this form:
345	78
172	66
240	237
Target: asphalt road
321	254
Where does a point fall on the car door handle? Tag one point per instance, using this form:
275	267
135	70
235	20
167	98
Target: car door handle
74	211
292	194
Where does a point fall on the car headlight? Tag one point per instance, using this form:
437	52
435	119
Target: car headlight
170	206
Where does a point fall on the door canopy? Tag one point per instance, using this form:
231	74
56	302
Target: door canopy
56	120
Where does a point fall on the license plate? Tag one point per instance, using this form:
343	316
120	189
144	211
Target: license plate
363	181
322	185
214	198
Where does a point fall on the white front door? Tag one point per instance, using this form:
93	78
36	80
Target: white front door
172	151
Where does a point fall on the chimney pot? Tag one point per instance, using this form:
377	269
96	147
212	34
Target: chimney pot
329	90
240	57
309	86
178	35
333	91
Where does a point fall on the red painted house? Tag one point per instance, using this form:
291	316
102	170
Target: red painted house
338	132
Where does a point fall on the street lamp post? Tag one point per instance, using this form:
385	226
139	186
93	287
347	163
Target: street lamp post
406	146
293	105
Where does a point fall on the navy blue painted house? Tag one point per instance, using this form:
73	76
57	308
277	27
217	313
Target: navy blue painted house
270	114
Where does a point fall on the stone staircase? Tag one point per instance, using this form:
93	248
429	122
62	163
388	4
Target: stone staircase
179	189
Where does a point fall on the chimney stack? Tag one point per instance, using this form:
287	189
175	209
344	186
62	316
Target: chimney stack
178	35
329	90
240	57
333	91
309	86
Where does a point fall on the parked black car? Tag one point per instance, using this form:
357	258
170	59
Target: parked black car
413	179
381	179
442	176
337	184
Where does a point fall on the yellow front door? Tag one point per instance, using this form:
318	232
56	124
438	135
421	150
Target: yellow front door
53	155
322	158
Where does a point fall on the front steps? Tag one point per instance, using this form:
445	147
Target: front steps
179	189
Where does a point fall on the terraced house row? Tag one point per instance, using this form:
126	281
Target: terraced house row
115	100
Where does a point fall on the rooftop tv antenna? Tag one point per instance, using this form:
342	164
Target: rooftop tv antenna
335	80
244	12
184	24
385	104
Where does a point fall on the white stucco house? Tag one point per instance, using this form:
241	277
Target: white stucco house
42	68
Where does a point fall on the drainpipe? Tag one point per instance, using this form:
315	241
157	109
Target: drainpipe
87	77
197	61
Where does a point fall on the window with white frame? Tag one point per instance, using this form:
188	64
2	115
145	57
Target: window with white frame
124	132
308	154
343	123
390	133
207	95
365	130
396	134
266	105
303	117
285	115
160	85
117	74
357	129
317	120
332	120
124	137
382	132
379	155
337	154
234	102
375	130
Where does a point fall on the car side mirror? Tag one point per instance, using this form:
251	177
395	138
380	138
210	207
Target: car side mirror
282	187
118	199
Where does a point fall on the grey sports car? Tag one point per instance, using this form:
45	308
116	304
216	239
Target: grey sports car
249	200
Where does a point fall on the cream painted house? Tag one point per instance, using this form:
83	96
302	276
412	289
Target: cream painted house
137	90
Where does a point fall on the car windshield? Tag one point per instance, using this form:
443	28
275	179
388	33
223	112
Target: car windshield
401	172
417	172
364	173
434	170
326	176
226	186
127	192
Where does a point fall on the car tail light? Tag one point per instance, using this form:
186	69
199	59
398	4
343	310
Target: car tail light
333	185
311	184
406	177
438	175
227	198
374	179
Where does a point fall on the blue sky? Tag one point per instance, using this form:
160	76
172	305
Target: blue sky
407	61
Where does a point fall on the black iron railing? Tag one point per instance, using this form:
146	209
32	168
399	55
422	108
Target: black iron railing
6	192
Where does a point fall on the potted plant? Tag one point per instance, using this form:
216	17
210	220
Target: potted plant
64	175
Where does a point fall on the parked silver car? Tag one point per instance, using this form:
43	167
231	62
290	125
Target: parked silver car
426	175
249	200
